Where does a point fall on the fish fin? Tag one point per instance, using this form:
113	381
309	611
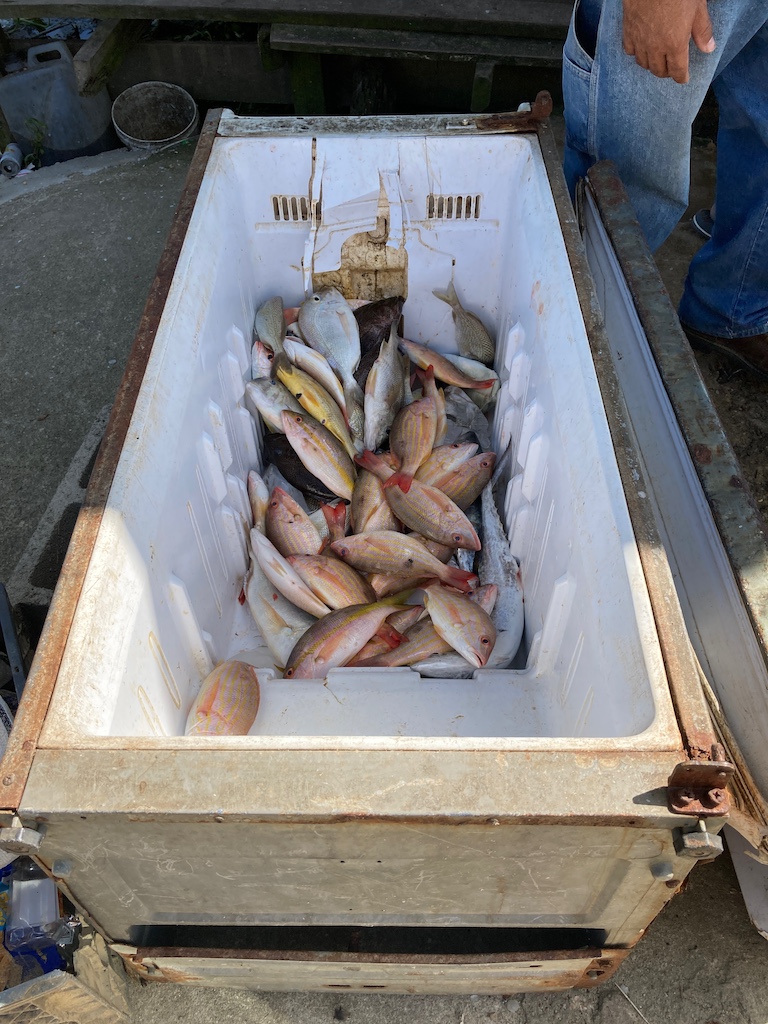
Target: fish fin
389	635
401	480
460	579
335	516
481	385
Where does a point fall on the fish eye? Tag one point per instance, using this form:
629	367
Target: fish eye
273	504
484	641
315	298
457	537
343	551
288	673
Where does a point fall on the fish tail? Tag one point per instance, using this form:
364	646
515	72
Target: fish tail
460	579
481	385
401	480
449	295
370	461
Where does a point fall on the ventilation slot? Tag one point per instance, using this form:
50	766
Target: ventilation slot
295	208
453	207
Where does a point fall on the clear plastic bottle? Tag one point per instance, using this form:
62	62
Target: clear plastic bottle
34	921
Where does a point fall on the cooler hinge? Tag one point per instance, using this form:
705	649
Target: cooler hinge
700	788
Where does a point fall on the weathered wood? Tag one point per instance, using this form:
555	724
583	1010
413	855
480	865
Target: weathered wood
365	42
100	55
211	71
536	18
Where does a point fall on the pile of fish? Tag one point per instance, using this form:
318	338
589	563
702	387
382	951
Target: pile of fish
365	547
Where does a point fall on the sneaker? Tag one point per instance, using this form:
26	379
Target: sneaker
751	353
703	222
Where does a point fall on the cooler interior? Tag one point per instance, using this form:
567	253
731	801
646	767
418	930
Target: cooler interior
159	608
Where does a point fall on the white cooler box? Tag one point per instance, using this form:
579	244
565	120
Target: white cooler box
376	829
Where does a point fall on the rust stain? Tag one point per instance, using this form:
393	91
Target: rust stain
602	968
147	958
702	453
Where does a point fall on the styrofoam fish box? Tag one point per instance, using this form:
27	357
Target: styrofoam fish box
159	606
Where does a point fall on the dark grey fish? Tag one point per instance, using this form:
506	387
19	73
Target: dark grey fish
364	367
278	451
375	320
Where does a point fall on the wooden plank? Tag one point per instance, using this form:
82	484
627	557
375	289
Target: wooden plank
102	54
537	18
366	42
213	72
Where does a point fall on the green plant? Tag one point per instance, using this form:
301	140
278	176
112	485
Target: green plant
37	130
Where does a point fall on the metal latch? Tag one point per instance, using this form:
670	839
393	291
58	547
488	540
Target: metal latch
20	839
698	842
699	788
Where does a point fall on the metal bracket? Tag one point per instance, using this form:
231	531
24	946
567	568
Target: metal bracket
699	788
20	839
520	120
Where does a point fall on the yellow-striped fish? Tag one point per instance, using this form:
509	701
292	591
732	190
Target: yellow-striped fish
227	702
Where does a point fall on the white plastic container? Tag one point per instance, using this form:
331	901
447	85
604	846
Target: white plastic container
530	799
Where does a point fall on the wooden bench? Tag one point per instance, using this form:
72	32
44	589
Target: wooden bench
527	33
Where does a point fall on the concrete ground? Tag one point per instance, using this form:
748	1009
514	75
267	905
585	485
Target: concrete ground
80	243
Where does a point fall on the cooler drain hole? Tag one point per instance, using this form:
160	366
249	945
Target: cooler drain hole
453	207
295	208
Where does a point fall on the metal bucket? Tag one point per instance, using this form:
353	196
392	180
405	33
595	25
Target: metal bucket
151	115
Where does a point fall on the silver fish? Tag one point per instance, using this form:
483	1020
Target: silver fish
262	357
472	339
258	496
271	398
463	415
280	572
498	565
280	622
383	392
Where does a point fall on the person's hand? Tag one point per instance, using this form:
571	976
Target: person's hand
657	34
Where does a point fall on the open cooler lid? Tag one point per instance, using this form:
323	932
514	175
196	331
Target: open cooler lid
715	540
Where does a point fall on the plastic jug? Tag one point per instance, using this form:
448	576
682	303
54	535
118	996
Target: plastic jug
47	116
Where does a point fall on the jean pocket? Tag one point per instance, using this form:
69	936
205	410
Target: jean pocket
576	103
574	55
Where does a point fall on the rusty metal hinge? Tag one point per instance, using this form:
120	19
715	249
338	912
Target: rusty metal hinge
519	120
700	788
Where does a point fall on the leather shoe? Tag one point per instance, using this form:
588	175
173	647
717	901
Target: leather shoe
751	353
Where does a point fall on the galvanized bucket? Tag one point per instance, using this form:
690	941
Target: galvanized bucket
151	115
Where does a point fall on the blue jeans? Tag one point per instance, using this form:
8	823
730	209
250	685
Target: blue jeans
616	110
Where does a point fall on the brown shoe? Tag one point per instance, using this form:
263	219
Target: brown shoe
751	353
